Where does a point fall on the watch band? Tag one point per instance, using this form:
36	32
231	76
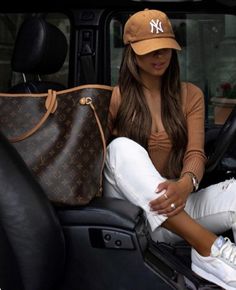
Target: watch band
194	180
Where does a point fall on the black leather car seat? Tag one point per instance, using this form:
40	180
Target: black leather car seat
32	247
40	49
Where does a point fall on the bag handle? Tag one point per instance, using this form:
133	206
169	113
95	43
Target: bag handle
88	101
51	104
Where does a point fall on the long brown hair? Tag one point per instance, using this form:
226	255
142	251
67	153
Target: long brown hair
134	118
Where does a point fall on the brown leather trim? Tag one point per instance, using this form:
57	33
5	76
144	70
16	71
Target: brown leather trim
51	101
51	107
92	86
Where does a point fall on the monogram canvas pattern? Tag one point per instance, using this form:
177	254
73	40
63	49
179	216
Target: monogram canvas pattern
66	153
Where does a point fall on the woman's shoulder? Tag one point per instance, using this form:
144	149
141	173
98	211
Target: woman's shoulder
192	95
189	89
115	101
116	89
116	93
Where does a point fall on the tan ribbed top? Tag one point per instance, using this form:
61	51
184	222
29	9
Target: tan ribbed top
159	145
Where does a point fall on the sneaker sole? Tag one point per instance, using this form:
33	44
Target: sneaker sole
211	278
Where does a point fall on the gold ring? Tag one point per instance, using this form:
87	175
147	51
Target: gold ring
165	195
173	206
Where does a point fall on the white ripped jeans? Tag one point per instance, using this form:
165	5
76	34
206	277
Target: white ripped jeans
130	174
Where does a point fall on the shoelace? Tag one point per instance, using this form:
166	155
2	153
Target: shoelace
228	251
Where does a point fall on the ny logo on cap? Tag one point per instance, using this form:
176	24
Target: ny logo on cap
156	25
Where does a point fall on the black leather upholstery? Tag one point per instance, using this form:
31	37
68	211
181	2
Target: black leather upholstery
29	223
40	49
102	211
10	277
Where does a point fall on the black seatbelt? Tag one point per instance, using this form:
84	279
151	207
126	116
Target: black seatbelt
87	65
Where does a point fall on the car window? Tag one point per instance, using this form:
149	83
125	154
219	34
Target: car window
9	26
207	59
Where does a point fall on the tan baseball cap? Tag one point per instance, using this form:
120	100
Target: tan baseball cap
149	30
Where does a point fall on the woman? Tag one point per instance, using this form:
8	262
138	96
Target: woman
158	159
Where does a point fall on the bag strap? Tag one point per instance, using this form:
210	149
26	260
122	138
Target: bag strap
50	104
88	101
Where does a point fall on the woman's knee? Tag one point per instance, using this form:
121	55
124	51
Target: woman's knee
125	148
234	217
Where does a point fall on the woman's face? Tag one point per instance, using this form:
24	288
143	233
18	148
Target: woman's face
154	63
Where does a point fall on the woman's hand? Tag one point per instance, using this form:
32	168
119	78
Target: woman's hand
174	197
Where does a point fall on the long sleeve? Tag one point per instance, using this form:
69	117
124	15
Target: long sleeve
194	158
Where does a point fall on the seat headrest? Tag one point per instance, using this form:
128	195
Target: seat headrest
40	48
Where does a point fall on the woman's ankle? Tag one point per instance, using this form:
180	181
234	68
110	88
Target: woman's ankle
204	247
197	236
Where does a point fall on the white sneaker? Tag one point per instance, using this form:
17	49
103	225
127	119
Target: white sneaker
220	266
234	231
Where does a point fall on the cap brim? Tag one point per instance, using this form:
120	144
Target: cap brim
148	45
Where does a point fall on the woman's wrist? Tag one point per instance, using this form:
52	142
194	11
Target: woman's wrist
193	179
186	183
